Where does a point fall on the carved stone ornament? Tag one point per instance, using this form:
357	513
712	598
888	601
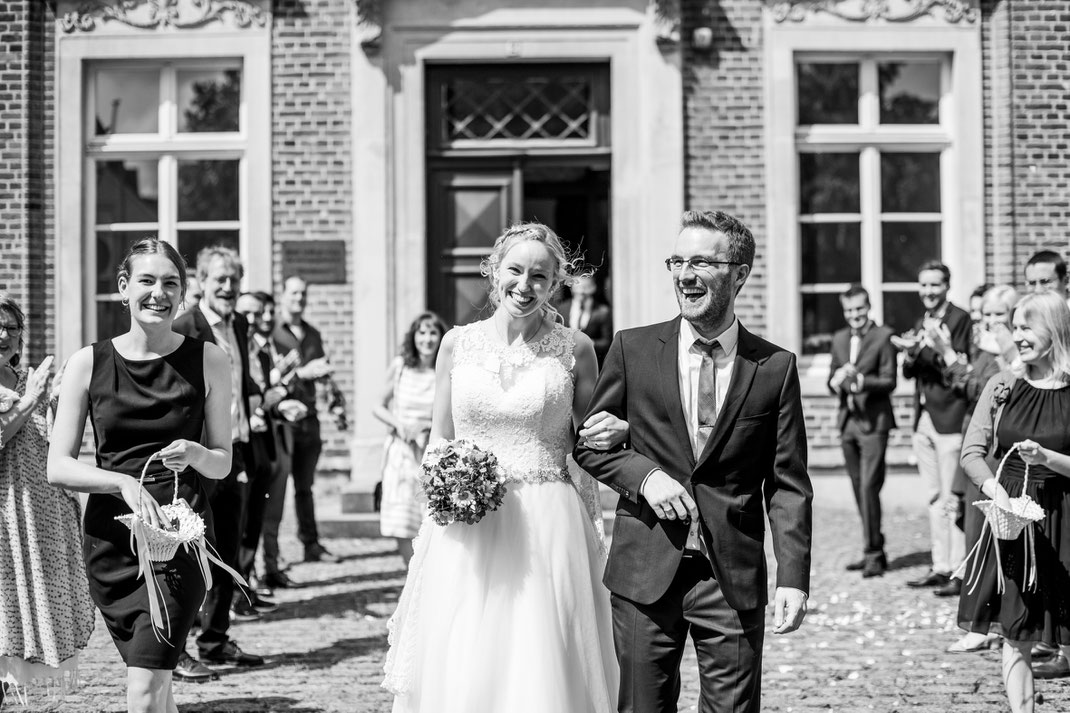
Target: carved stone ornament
156	14
667	21
370	24
953	11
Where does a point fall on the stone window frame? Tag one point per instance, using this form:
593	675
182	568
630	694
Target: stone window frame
962	164
76	55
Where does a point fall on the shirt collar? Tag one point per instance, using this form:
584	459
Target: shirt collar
211	315
727	339
863	330
938	313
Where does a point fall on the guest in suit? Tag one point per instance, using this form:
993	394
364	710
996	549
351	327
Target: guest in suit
214	320
938	414
587	312
716	433
862	376
1046	271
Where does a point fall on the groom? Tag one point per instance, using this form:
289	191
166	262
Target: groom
716	428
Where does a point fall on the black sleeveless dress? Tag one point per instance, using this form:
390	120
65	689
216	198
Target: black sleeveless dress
1024	613
136	408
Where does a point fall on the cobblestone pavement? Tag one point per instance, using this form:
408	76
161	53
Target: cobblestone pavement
866	645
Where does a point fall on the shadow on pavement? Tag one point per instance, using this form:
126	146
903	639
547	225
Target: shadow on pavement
914	559
337	652
328	605
355	578
248	705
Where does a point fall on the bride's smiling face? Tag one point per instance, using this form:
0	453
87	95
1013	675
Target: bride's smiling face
526	278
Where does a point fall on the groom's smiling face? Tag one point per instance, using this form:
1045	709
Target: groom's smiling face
706	296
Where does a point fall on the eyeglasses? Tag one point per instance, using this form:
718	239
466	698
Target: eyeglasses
13	330
697	264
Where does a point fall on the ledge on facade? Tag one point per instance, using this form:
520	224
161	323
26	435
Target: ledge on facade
893	11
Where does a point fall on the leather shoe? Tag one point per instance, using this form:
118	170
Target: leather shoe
264	606
856	566
953	588
874	568
318	553
931	579
1057	667
190	669
230	653
1042	650
242	611
278	580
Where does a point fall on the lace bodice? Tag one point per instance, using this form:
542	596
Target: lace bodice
516	401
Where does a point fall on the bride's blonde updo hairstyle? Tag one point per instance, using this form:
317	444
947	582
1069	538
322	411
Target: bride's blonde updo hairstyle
568	265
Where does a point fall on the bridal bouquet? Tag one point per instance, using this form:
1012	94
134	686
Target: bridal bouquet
462	482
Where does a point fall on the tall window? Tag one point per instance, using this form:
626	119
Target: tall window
165	150
870	136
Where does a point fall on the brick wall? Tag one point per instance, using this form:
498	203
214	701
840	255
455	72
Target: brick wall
26	146
311	167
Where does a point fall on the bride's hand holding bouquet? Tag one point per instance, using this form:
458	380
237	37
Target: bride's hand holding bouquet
462	482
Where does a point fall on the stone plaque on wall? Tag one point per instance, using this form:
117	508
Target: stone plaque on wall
318	262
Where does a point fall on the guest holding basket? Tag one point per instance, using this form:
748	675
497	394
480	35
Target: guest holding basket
159	404
1017	450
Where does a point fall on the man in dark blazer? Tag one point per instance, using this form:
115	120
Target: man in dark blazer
214	319
862	376
716	432
938	415
585	311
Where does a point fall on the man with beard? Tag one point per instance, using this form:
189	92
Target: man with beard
716	428
219	270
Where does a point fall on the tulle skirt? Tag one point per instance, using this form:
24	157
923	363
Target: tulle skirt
509	614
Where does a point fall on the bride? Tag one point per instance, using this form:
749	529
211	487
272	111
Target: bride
510	614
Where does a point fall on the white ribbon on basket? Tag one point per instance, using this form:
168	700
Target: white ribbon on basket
141	531
1008	525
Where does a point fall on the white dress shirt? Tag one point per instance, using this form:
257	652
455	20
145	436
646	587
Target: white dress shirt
688	368
223	331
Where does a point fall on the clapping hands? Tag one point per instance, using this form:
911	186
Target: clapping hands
38	380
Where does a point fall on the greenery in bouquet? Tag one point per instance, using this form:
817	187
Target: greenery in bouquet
462	482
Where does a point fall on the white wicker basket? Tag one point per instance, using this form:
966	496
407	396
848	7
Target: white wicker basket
1007	524
160	544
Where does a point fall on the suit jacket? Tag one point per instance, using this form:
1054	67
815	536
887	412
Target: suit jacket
756	453
599	327
193	323
877	364
945	406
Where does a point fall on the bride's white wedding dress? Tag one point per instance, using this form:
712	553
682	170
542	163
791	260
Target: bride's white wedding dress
510	614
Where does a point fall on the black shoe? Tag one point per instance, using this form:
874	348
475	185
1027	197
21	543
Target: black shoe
318	553
242	610
856	566
1042	650
1058	667
952	589
263	605
874	568
278	580
931	579
190	669
229	653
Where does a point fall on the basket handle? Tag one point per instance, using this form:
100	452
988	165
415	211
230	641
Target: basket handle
141	483
999	469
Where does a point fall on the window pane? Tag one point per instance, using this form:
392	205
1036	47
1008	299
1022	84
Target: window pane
910	92
905	246
910	182
478	216
208	99
831	252
822	315
112	319
828	183
111	249
190	243
828	93
127	101
127	191
207	190
901	310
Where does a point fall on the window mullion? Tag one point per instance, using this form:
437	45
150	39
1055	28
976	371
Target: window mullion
168	102
168	199
870	199
869	110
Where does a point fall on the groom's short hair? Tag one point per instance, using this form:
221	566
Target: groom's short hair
740	239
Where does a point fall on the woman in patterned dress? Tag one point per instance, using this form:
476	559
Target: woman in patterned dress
46	616
406	409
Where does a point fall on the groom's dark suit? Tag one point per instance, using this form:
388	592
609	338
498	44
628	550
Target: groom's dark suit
756	453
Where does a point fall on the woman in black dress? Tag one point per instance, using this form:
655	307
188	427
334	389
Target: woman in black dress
1030	410
148	391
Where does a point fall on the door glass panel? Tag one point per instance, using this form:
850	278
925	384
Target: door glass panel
905	246
901	310
207	190
190	242
828	183
470	299
208	99
828	93
822	316
478	216
910	92
831	252
127	101
127	191
910	182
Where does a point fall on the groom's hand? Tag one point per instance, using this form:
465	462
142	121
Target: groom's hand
667	497
789	608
